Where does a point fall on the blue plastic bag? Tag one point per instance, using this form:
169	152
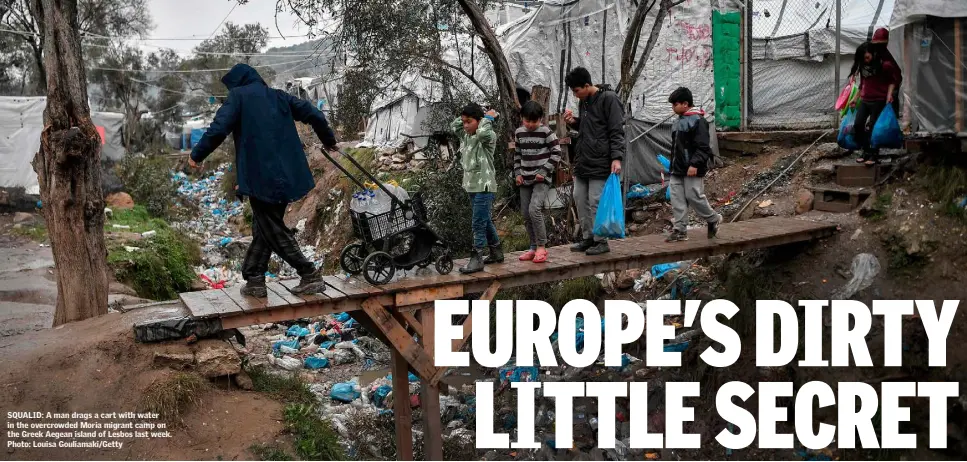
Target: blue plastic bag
379	396
610	219
886	130
658	271
665	163
344	392
315	362
845	137
297	331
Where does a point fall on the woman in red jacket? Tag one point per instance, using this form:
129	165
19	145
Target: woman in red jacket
880	77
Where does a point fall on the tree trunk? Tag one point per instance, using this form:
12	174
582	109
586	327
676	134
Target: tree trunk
506	87
41	78
68	170
632	68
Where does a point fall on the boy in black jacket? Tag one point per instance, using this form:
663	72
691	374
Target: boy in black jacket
690	157
599	150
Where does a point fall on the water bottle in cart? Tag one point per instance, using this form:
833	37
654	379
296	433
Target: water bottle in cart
374	205
358	203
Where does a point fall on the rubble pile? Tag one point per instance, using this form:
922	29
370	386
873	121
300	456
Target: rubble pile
396	160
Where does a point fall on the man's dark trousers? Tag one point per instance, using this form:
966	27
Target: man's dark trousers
269	234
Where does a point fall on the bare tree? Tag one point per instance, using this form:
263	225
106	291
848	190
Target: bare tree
68	169
631	65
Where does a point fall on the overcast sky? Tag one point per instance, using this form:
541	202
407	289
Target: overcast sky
199	18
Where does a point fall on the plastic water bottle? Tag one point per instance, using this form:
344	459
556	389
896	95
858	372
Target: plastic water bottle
374	205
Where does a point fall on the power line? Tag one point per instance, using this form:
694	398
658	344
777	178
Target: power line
135	37
293	54
234	5
191	71
173	91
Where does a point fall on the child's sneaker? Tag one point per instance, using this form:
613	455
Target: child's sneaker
527	256
540	256
677	236
713	229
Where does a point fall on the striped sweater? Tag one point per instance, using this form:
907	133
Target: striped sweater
537	152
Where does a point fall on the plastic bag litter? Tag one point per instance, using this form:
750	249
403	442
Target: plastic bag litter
658	271
675	347
845	136
344	392
520	374
297	331
379	396
637	191
286	362
864	268
610	219
315	362
291	344
342	317
886	130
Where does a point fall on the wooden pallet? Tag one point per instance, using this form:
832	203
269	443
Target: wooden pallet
396	311
838	200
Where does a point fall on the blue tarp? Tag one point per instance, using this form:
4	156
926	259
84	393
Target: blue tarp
196	134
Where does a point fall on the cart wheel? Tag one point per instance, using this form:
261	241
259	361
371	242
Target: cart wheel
378	268
352	258
435	253
444	264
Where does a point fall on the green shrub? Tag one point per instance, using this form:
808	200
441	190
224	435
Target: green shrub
946	184
162	265
148	181
315	438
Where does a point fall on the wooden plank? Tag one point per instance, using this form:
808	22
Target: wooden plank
416	296
286	313
400	339
352	287
250	304
488	295
402	412
198	305
221	302
430	395
309	298
283	292
412	321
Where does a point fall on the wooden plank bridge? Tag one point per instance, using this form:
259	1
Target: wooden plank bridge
395	311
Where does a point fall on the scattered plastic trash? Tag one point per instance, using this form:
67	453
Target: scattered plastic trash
291	344
116	226
520	374
638	191
129	249
342	317
665	163
864	268
658	271
286	362
379	396
412	378
225	241
315	362
151	233
297	331
346	392
675	347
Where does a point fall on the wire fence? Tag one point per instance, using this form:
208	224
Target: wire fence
791	74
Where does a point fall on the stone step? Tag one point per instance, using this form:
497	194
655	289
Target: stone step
838	200
860	175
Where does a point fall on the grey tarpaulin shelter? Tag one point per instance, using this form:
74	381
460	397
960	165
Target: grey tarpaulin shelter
927	38
22	121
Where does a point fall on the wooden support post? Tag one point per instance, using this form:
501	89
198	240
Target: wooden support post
430	395
458	344
400	340
402	412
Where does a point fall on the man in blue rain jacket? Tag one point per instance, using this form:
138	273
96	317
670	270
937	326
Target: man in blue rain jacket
272	169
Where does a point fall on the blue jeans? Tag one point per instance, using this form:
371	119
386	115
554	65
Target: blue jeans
484	231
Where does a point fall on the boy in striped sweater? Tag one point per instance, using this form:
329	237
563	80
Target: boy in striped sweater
535	160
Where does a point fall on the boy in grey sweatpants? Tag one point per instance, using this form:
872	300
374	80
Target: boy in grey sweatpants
690	157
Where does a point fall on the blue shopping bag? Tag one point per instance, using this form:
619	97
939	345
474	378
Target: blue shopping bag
610	219
886	131
845	137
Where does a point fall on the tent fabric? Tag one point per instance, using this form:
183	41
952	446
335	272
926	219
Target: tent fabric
909	11
930	94
22	121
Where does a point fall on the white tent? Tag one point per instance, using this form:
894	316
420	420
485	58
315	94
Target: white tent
22	121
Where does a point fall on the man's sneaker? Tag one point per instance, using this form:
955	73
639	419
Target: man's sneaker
598	248
255	288
582	246
310	284
676	236
713	229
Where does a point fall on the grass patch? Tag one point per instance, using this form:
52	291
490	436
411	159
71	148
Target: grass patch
586	288
36	232
285	388
269	452
948	186
315	438
172	397
880	208
162	265
366	157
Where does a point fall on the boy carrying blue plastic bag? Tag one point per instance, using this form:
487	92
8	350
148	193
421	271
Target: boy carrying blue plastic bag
690	156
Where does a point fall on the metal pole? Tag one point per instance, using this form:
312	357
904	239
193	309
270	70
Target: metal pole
746	63
837	58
